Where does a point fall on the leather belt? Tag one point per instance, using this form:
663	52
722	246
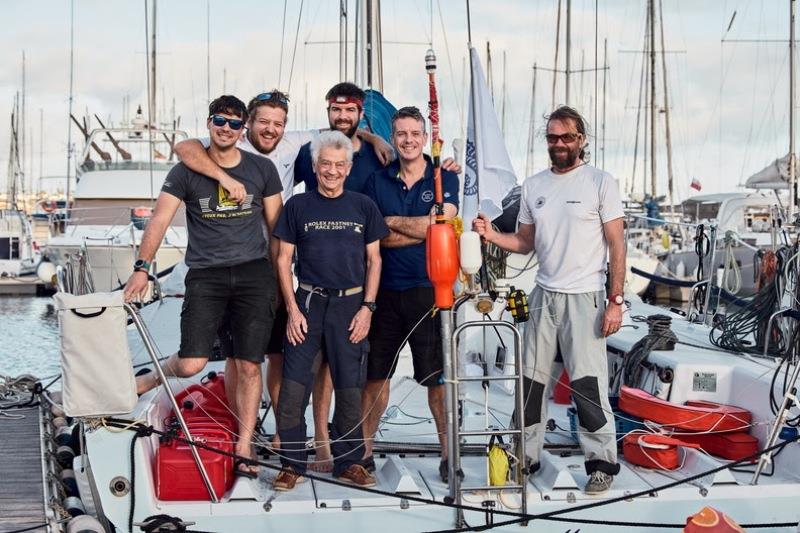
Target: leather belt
330	292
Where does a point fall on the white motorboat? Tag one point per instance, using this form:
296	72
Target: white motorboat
19	253
112	201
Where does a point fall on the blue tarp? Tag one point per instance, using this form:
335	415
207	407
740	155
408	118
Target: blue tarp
378	113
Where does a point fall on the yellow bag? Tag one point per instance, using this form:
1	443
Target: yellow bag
498	462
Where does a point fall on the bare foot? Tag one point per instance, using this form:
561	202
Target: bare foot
323	461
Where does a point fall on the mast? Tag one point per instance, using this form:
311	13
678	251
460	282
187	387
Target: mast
531	127
555	60
41	149
652	23
71	93
372	43
23	130
208	52
666	111
569	49
792	98
153	120
342	40
603	124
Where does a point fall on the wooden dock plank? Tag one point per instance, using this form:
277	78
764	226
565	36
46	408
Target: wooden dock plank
21	485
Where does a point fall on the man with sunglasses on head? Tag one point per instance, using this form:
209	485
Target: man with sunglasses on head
571	214
230	270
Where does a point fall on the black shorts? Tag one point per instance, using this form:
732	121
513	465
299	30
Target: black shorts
275	341
246	292
397	313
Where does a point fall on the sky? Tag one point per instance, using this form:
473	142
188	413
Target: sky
728	99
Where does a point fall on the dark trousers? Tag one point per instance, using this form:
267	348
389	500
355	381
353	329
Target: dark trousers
328	318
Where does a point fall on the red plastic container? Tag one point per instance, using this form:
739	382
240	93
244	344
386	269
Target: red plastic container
177	475
732	446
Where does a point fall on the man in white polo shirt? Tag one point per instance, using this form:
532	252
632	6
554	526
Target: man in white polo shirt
571	214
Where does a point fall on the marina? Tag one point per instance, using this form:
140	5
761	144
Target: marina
225	317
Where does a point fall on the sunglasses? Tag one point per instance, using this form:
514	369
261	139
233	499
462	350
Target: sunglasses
264	97
566	138
220	121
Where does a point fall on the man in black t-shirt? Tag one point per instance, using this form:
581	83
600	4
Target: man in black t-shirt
229	266
336	234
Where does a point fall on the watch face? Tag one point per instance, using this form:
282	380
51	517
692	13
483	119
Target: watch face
618	299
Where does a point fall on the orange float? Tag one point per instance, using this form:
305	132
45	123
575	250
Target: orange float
709	520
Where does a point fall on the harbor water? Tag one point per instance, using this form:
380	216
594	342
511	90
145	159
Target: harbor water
28	337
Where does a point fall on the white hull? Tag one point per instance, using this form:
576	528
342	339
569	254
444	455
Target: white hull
317	506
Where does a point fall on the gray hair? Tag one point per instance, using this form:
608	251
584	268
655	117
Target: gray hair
331	139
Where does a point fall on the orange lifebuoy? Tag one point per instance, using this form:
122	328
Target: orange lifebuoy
50	206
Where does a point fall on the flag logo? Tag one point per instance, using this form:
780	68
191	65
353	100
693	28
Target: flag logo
696	184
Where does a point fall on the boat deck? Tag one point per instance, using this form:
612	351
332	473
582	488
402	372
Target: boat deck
21	488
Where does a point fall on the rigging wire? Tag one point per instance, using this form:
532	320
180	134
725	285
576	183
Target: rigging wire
294	50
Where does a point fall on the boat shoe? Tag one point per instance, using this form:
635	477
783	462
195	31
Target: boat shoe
599	482
357	475
286	479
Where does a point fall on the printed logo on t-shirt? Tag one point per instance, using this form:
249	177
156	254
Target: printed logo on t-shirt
539	202
224	206
427	196
333	225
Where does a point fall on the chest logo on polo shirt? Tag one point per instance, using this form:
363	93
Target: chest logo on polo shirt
427	196
539	202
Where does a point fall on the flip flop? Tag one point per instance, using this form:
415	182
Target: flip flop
238	472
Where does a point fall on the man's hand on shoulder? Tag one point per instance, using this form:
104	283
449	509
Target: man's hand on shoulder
236	190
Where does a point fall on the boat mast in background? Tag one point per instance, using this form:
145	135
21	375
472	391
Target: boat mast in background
670	182
529	163
71	92
651	21
792	100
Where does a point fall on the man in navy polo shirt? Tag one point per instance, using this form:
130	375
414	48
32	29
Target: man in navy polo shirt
404	194
336	234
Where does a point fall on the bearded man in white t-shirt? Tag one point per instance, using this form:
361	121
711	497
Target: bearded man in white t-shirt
571	215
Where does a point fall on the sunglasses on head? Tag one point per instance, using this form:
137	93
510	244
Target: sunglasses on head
220	121
264	97
566	138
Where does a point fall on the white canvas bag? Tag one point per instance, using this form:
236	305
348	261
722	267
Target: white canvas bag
97	375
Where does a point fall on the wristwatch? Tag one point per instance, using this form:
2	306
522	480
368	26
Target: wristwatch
141	266
370	305
616	299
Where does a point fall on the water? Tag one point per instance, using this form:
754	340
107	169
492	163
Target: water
28	337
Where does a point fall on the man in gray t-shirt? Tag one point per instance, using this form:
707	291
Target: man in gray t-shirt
229	268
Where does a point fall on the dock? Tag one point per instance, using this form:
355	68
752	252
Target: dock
23	286
21	485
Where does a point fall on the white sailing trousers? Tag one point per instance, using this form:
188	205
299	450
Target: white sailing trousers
571	324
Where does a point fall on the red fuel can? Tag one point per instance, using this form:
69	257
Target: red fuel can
177	475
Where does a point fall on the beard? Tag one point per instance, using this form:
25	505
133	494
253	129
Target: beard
349	132
563	157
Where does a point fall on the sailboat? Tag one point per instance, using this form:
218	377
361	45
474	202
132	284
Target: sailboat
19	253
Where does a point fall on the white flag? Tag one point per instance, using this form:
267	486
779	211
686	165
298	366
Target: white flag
491	176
